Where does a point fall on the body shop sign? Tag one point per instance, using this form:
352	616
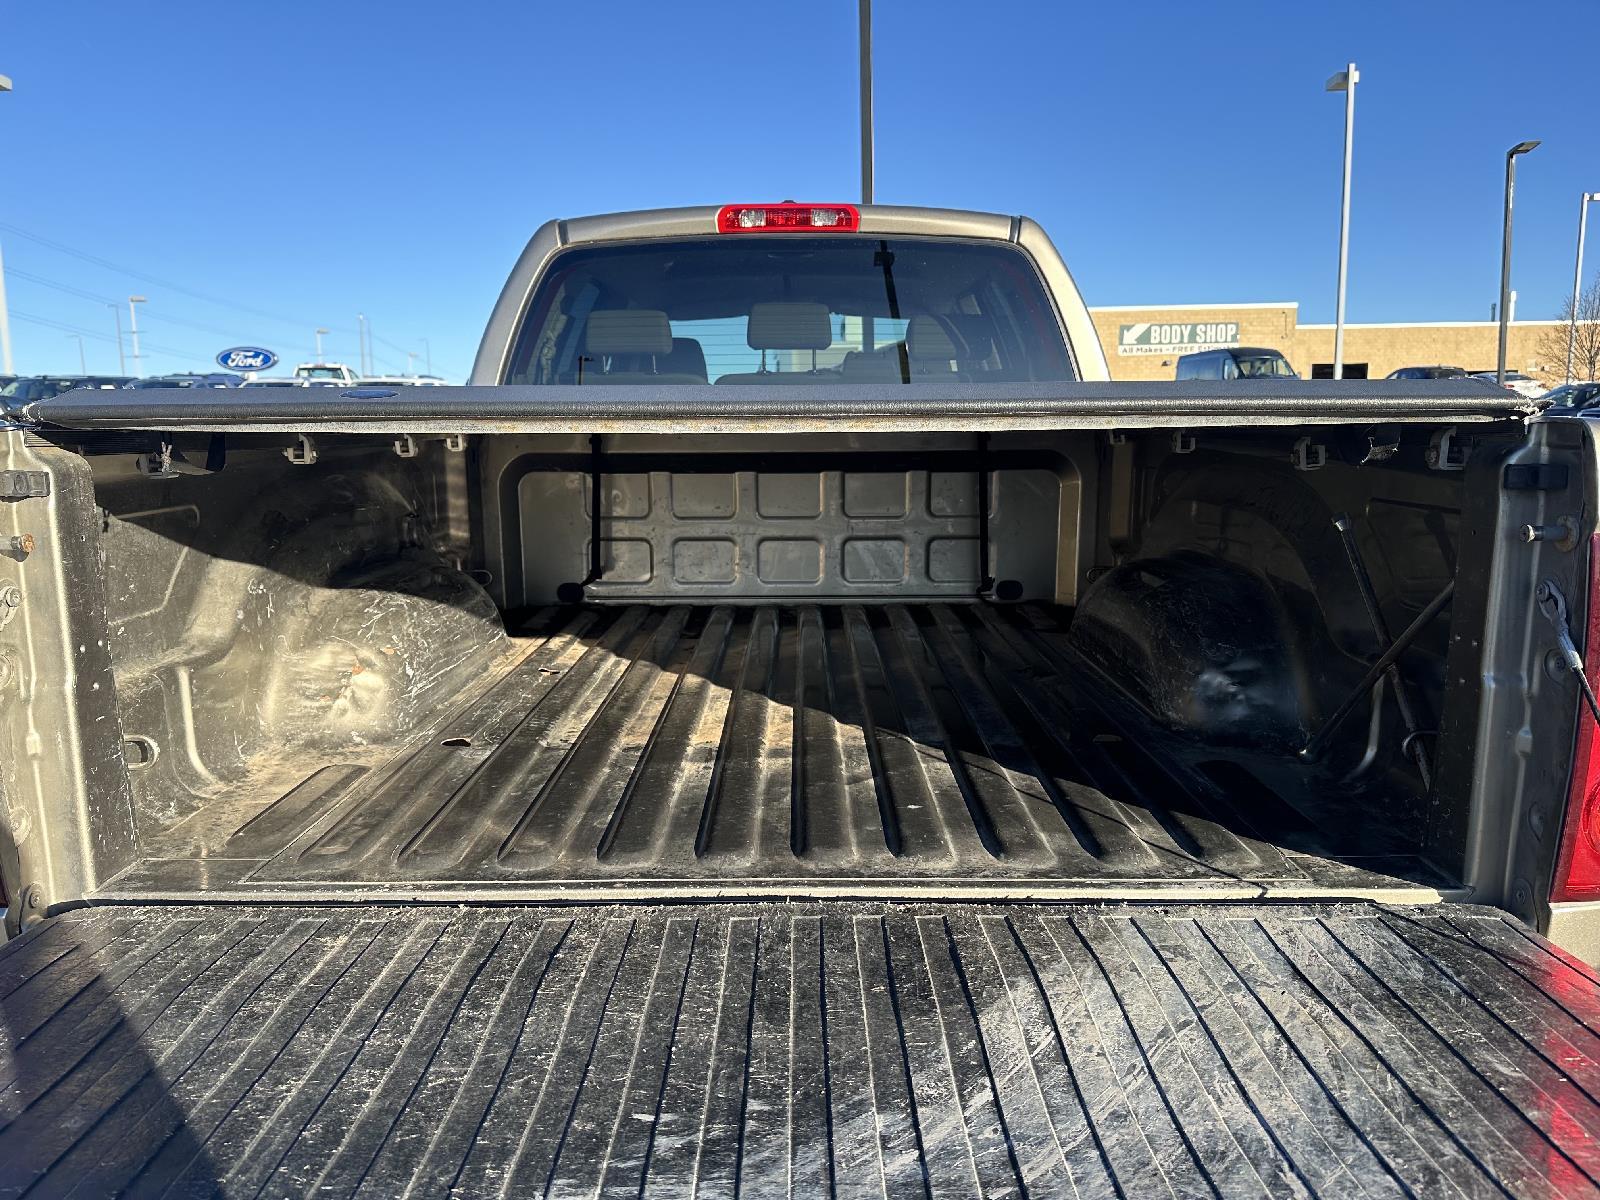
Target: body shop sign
1176	337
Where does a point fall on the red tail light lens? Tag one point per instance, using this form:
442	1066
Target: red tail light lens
1578	861
788	217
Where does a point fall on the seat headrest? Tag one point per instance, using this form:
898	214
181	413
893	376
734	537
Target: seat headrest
927	340
688	357
627	331
800	325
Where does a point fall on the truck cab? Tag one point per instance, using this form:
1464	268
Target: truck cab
1236	362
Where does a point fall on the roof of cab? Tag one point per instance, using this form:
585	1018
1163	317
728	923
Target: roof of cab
701	220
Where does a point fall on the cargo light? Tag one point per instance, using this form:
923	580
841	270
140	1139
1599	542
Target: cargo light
787	217
1577	874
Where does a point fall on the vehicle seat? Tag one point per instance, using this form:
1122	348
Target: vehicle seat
873	366
786	325
687	358
931	349
632	345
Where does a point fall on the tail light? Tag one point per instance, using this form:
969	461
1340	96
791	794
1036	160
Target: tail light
788	217
1578	861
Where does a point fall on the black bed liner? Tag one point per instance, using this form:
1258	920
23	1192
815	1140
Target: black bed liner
943	750
836	1049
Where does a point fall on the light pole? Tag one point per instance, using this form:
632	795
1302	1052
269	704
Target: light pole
1577	277
1512	155
411	363
320	332
83	364
1345	81
361	342
5	314
133	326
427	356
122	362
5	322
865	14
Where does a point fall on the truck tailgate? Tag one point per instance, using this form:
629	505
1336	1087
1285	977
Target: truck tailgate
837	1049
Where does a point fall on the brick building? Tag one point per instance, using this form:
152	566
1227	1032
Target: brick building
1144	342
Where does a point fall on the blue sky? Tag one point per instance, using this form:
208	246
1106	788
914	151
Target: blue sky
263	175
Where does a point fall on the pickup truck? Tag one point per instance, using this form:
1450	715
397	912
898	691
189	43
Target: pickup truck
791	726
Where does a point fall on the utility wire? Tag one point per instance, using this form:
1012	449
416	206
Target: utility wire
148	313
63	248
14	273
66	327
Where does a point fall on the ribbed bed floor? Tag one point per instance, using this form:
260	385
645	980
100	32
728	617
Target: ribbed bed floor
843	1049
702	745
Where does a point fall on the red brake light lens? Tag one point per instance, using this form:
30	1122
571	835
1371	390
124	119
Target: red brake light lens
1578	861
788	218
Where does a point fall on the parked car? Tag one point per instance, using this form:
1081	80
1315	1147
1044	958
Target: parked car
215	379
274	382
1428	373
40	387
402	380
321	372
1237	362
1573	396
1516	381
798	729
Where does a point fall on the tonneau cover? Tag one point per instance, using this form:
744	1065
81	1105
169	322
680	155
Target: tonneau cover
844	1049
709	408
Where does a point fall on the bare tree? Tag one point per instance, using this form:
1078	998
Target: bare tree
1586	347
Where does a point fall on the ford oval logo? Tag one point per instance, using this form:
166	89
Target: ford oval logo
247	358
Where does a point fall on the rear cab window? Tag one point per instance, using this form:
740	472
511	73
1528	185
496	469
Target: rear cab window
793	309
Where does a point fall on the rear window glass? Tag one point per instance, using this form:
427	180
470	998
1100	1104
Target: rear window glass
791	310
1252	366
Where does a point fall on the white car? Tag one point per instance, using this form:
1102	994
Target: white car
336	374
1516	381
402	381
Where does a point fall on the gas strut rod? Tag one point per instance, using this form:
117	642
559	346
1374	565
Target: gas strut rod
1402	693
1554	606
1314	747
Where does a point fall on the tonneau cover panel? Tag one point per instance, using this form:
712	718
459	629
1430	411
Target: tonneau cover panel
833	407
860	1049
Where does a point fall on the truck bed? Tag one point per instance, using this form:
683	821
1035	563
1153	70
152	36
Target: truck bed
906	750
853	1048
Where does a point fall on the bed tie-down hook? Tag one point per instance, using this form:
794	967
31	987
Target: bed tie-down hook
1553	604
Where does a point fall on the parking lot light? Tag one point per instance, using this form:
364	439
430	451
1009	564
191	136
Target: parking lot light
1577	277
1345	81
1512	155
5	83
133	326
320	332
122	362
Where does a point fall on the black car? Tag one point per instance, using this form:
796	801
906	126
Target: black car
216	379
41	387
1428	373
1572	397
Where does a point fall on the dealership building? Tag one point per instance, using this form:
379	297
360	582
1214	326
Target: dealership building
1144	341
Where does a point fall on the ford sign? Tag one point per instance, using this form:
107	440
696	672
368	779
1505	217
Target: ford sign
247	358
